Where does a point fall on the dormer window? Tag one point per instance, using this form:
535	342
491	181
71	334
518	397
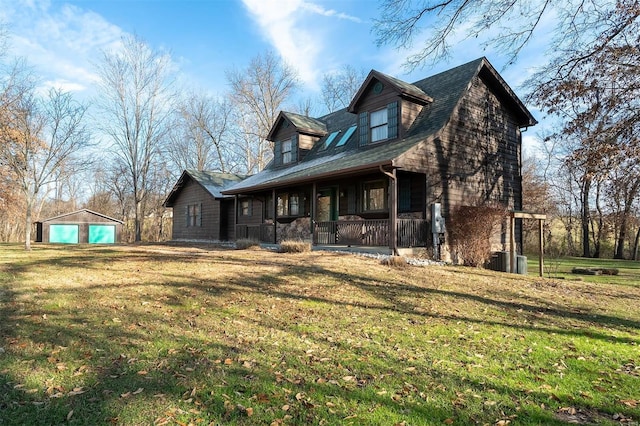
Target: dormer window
286	152
379	125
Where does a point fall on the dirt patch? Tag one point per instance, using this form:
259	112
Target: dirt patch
586	416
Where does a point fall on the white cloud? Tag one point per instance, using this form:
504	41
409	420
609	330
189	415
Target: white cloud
315	8
291	27
59	40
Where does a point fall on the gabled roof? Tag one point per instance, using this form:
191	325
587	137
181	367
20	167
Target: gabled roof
302	123
446	90
212	182
405	89
82	211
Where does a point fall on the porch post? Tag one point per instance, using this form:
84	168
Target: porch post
393	213
274	211
512	244
235	217
314	200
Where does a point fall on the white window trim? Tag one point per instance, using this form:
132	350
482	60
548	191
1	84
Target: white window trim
379	125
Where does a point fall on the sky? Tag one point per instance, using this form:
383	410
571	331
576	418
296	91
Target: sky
63	40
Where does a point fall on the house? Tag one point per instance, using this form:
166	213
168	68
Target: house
387	170
200	210
81	226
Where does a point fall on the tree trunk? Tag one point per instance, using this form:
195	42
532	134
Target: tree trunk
27	230
635	245
585	217
622	235
138	222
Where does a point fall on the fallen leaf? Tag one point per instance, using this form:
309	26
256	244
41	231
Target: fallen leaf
70	415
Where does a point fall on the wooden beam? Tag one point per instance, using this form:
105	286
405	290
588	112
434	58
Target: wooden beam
526	215
314	207
541	247
512	245
274	210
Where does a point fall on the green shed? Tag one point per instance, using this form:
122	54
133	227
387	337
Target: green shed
81	226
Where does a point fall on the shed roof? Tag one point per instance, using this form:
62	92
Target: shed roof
212	182
81	211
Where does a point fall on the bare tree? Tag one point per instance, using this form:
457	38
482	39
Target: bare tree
135	102
340	87
40	137
200	139
576	25
258	93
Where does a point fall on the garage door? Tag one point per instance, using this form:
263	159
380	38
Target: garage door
67	234
102	234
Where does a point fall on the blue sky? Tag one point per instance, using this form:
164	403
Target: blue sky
63	39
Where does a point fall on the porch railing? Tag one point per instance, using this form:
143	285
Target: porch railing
410	232
372	233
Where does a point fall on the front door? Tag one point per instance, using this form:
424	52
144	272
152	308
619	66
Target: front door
327	206
326	215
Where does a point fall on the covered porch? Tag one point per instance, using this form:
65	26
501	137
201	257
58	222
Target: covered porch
377	209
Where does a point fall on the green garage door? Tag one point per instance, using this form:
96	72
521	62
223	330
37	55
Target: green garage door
67	234
102	234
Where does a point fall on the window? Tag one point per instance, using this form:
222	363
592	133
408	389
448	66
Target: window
294	205
330	139
404	195
379	125
289	205
346	136
245	208
268	207
283	205
374	196
194	217
286	152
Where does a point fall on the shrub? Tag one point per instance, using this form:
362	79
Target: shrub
470	229
293	246
394	261
245	243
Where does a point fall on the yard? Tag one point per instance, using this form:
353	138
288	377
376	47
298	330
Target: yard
162	334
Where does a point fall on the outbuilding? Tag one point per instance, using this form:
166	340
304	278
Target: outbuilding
81	226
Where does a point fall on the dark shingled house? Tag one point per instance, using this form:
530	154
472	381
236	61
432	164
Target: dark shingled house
389	168
200	211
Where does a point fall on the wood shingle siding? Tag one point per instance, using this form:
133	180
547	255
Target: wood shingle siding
202	190
453	138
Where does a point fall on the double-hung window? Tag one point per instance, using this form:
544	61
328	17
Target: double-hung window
245	208
379	122
286	152
289	205
294	205
194	217
374	196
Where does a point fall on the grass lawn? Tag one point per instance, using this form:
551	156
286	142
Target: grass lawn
629	272
162	334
